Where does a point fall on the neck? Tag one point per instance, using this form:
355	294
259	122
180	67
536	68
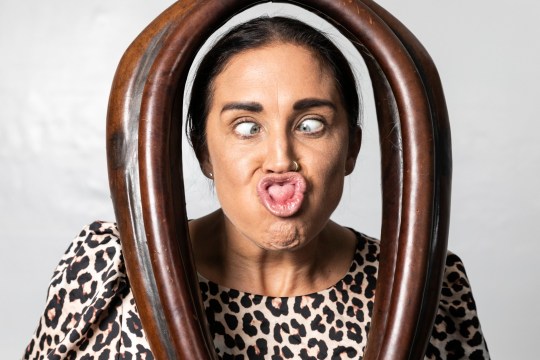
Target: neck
233	261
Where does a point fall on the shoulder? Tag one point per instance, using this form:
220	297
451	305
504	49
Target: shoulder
96	236
457	333
94	256
367	246
89	304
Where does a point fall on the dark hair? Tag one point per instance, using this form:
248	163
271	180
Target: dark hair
253	34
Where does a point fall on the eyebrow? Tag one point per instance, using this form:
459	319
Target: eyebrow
312	103
256	107
247	106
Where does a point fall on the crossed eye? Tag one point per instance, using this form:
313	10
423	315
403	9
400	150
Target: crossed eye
247	128
250	128
310	125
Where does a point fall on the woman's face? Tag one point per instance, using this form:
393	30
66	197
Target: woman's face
273	106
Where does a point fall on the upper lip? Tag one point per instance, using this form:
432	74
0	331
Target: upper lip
278	178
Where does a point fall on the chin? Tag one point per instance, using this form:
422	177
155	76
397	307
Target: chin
284	235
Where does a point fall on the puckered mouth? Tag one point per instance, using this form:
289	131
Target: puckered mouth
282	194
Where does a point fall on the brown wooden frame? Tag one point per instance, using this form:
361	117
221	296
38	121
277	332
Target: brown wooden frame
144	131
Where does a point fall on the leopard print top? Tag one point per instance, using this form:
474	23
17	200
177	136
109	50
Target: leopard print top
91	313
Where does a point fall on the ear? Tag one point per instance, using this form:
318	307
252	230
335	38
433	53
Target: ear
355	143
204	162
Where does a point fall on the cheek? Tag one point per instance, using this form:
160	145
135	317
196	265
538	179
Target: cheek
328	172
332	178
233	174
330	160
232	164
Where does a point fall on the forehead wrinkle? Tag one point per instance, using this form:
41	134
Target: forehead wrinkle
319	73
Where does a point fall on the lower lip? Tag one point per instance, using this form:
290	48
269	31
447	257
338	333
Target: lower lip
284	207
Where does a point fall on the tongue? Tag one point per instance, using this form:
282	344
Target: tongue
281	192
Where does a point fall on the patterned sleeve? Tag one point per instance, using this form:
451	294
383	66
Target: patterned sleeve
457	333
89	308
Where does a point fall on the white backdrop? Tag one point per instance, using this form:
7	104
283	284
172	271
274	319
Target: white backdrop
57	60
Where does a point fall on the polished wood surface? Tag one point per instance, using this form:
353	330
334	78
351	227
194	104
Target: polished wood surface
144	130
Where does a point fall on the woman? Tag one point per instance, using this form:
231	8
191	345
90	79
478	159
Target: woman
273	120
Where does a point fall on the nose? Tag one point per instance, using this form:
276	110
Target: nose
279	157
